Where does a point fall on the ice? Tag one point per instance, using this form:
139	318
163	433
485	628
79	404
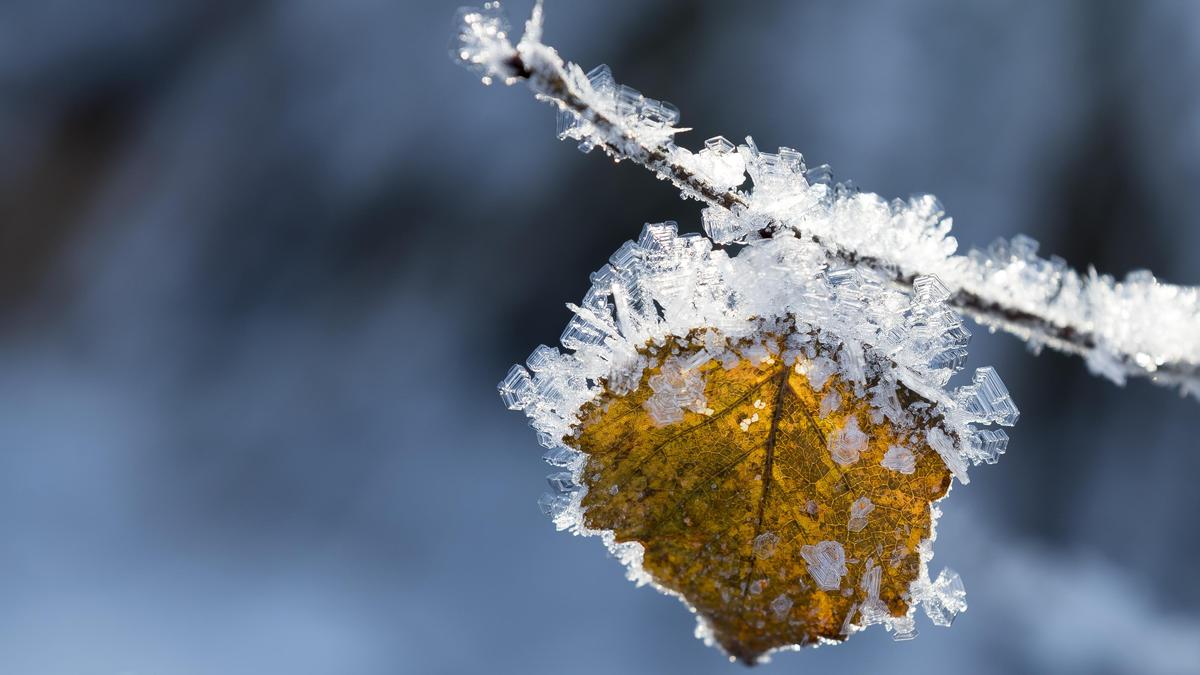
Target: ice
873	610
516	388
945	447
928	290
871	579
764	545
676	388
1138	326
562	481
986	445
829	403
781	605
852	363
945	598
885	404
859	511
649	120
554	504
873	294
482	43
846	444
561	456
899	458
987	399
547	440
826	564
720	163
819	370
848	623
904	628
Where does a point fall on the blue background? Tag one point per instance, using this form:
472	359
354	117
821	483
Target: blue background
262	264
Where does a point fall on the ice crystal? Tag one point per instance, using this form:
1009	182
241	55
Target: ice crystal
1136	327
846	443
826	563
764	545
781	605
665	284
859	510
899	458
870	290
670	286
677	387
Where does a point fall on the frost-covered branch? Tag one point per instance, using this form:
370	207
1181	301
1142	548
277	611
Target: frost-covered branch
1136	327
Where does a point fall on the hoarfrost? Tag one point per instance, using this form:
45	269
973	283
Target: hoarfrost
846	444
818	371
664	285
873	610
764	545
903	628
944	599
781	605
865	289
1136	327
829	403
677	387
859	511
826	564
945	447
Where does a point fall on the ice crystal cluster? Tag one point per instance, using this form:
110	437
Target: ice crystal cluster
666	285
1138	327
868	289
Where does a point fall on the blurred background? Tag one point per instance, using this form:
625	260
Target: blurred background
262	264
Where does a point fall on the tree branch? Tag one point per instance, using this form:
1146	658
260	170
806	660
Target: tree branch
1136	328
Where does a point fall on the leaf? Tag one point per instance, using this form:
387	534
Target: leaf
765	506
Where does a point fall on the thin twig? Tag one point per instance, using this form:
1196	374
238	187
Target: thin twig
551	80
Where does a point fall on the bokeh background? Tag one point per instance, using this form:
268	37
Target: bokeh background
263	262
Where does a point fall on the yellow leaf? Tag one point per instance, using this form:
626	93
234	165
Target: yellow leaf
765	506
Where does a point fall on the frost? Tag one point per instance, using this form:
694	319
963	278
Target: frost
871	290
1136	327
829	403
986	445
944	446
562	456
904	628
665	284
846	443
677	387
986	399
839	320
859	511
945	598
781	605
899	458
764	545
482	43
562	481
873	610
517	388
719	162
826	564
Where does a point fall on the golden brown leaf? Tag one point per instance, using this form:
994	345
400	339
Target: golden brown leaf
724	500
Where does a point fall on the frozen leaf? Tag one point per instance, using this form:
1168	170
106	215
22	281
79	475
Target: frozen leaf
722	509
761	434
